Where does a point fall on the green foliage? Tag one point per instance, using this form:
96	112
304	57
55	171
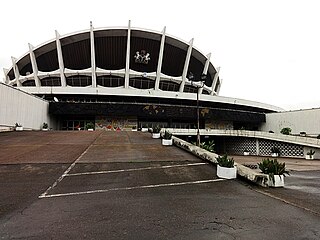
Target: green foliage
311	152
318	137
275	150
209	146
18	125
224	161
167	135
156	129
45	125
89	125
272	167
286	131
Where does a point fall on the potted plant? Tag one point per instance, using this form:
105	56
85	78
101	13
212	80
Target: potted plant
134	128
90	126
225	167
275	152
310	154
276	171
246	152
286	131
167	138
303	134
45	126
18	127
144	129
156	132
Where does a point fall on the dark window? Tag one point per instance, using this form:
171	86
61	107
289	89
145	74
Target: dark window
142	83
79	81
190	89
28	83
169	86
50	81
110	81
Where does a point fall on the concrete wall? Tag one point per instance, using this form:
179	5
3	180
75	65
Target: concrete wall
307	120
17	106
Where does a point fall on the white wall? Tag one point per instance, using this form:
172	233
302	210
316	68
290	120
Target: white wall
307	120
17	106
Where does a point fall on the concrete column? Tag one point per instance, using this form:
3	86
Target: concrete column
6	79
215	80
257	147
16	71
156	87
60	60
127	73
93	58
205	69
34	66
219	86
186	66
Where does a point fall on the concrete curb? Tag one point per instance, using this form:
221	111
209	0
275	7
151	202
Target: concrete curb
245	172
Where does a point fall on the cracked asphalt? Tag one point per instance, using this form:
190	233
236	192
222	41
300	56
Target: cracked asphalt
125	185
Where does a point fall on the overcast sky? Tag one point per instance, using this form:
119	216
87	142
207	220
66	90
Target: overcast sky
268	50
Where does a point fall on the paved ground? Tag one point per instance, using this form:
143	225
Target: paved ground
125	185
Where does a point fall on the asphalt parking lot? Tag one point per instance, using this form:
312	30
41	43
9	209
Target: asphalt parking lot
125	185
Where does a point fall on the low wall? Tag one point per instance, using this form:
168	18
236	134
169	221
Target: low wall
245	172
20	107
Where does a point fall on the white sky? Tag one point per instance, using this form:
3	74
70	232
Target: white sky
268	50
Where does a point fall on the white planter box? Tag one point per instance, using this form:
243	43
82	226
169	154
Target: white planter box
166	142
274	154
155	135
246	153
134	130
227	173
90	129
19	128
309	157
144	129
44	129
278	181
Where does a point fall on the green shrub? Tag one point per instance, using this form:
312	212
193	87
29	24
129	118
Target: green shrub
45	125
286	131
167	135
156	129
272	167
89	125
209	146
224	161
311	152
275	150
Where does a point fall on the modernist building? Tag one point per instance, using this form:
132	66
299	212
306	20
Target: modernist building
125	77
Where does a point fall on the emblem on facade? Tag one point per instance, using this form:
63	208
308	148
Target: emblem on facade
142	57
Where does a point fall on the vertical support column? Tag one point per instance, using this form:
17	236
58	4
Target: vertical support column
219	86
34	66
257	147
60	60
156	86
16	71
6	79
93	58
186	66
127	71
205	69
215	80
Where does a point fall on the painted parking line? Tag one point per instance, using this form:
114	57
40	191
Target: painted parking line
130	188
135	169
69	169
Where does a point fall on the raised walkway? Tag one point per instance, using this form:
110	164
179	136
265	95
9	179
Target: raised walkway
304	141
